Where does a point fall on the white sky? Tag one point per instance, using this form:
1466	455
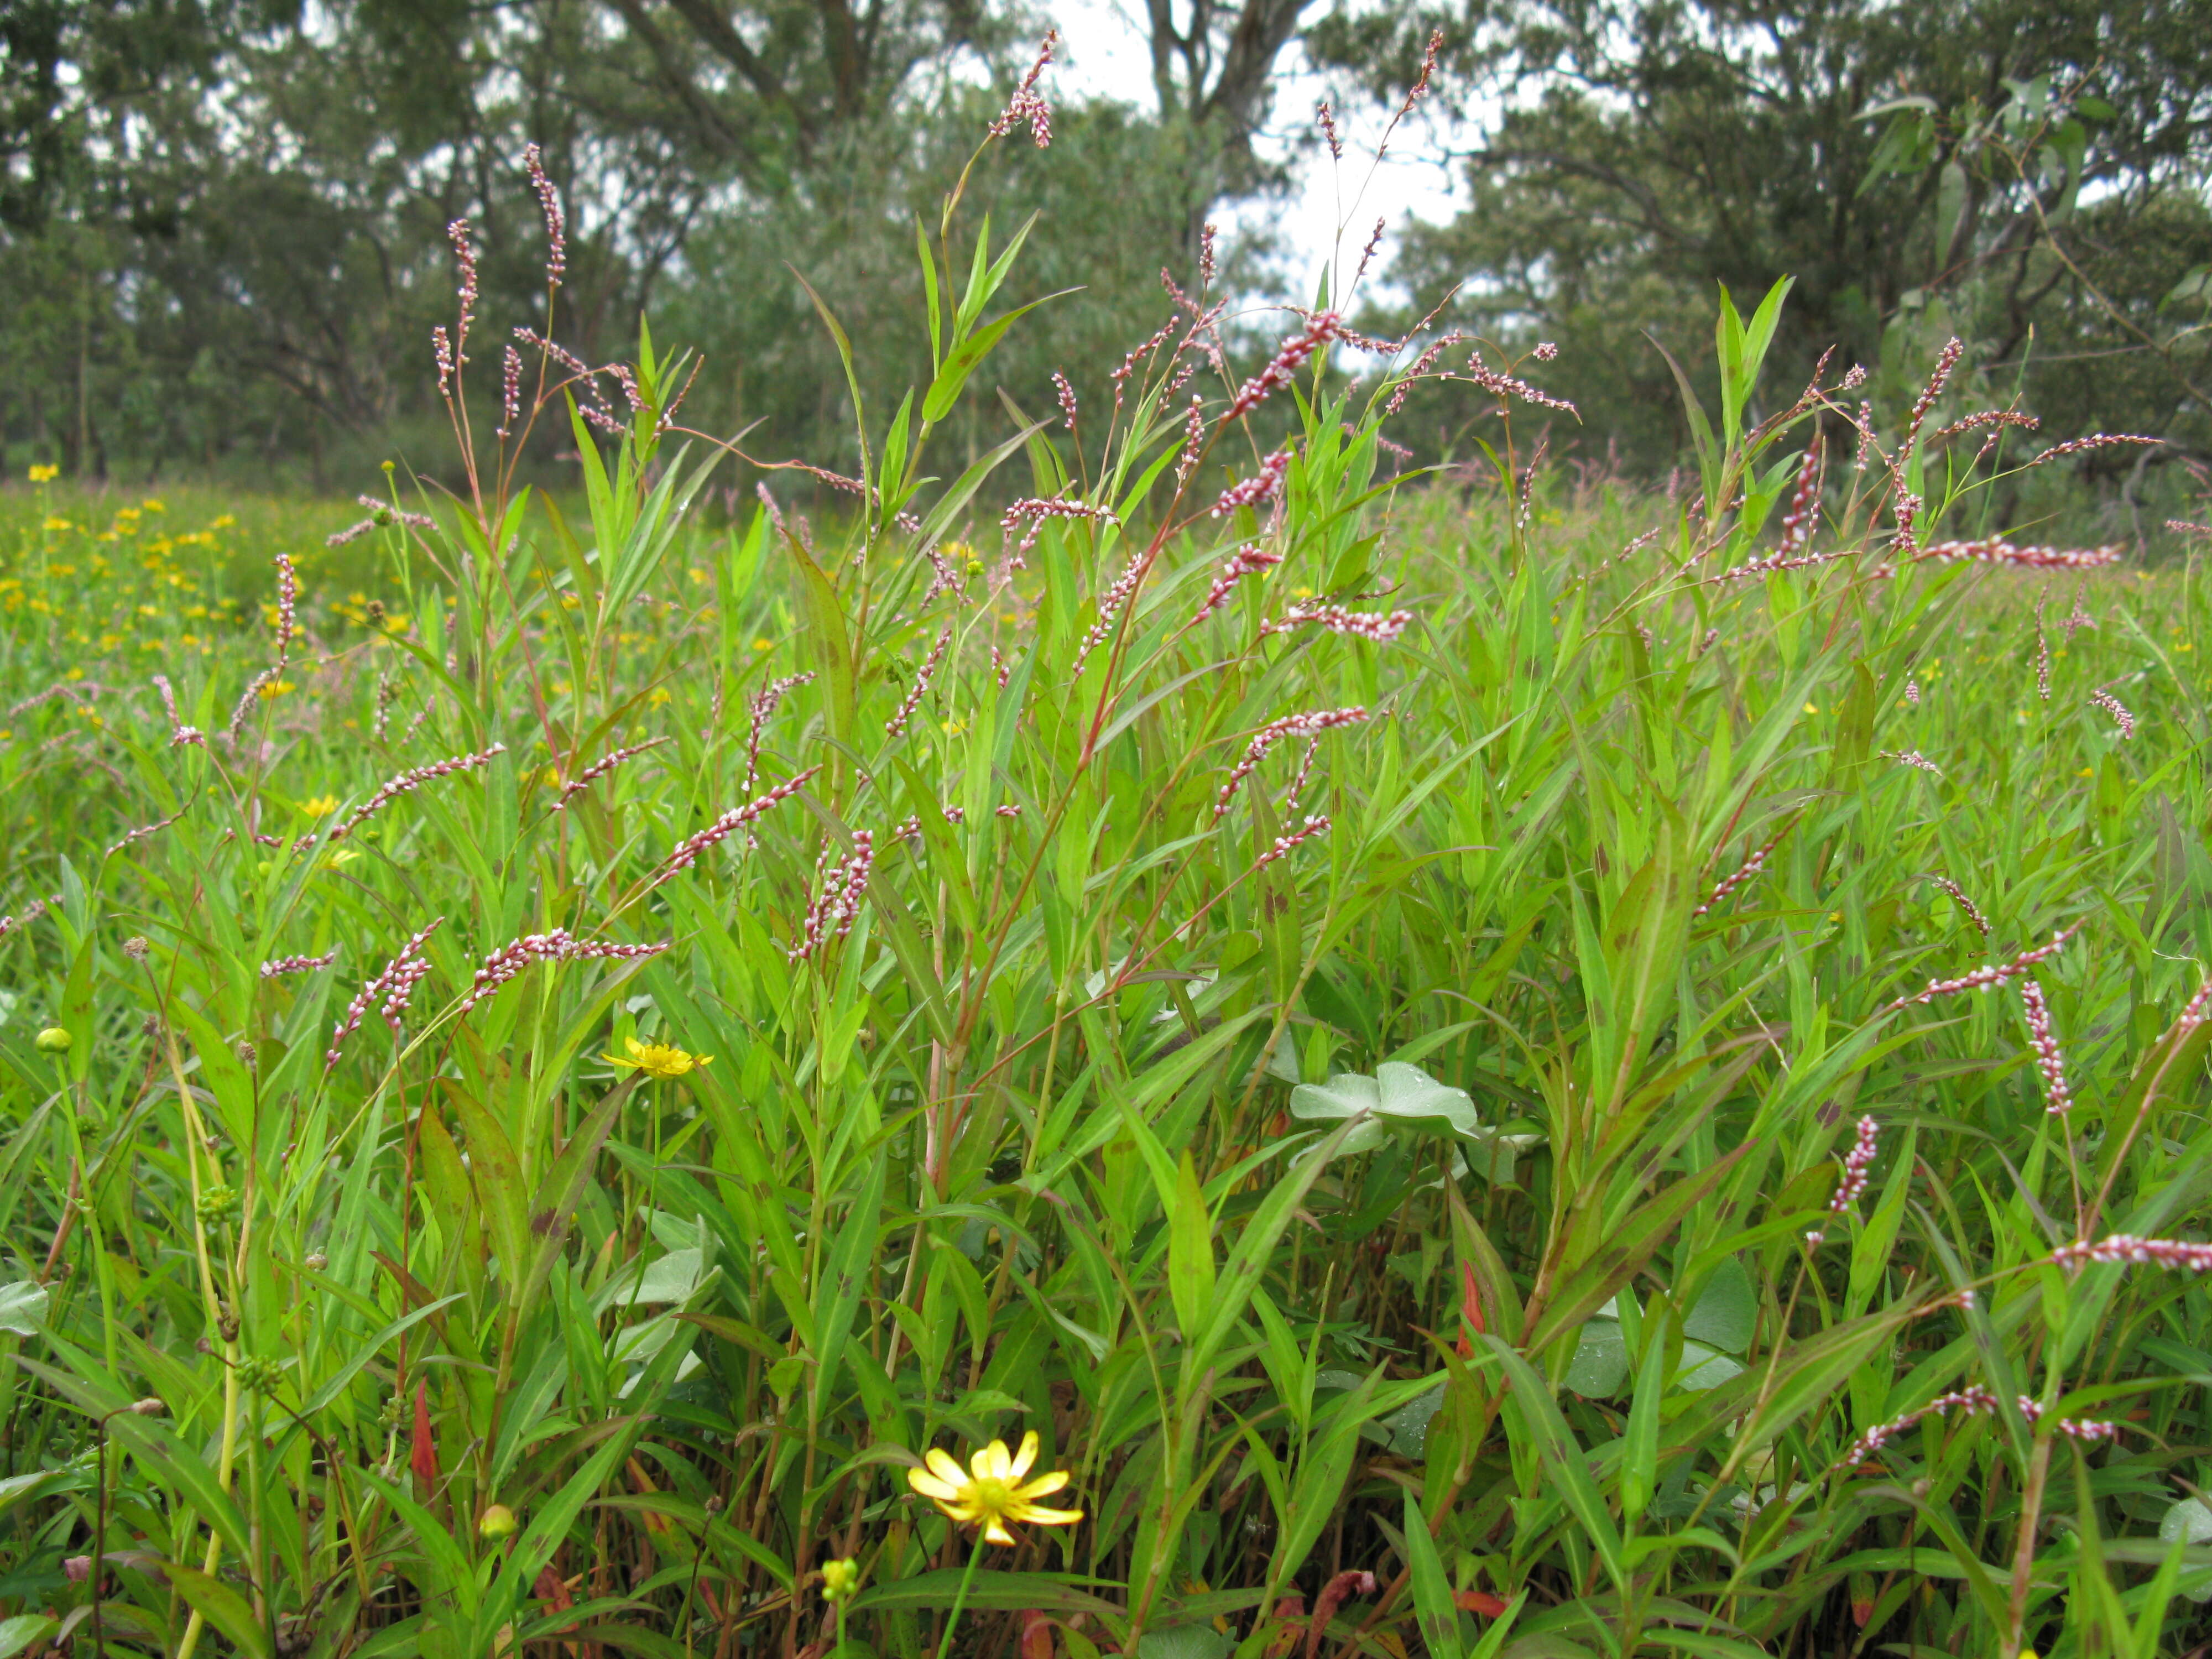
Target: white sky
1105	53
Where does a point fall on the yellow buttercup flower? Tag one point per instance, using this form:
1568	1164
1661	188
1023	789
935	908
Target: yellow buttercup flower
992	1491
660	1059
320	808
45	474
274	688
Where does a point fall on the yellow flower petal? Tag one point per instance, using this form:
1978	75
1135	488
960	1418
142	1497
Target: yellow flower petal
1043	1485
942	1466
930	1486
1025	1457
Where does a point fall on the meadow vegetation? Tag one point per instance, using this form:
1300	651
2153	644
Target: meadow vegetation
1489	1069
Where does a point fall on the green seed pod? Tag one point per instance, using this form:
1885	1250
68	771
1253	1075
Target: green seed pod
53	1041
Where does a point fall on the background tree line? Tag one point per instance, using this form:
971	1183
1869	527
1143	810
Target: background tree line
223	222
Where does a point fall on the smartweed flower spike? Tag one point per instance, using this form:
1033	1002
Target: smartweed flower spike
2112	705
1983	978
1205	237
1911	689
1290	726
1367	253
510	393
1775	562
844	886
559	945
1110	604
1033	510
1259	487
687	852
2042	649
1945	361
1506	388
1066	398
1859	1160
1911	757
179	733
1192	441
2128	1249
2026	558
1028	103
1315	824
557	224
396	984
2058	1100
1325	117
283	965
1321	329
32	912
1966	905
1976	1401
763	707
598	769
1430	355
1742	873
142	831
1798	523
1244	561
2095	441
408	781
465	255
2076	618
1546	352
1382	628
442	344
919	688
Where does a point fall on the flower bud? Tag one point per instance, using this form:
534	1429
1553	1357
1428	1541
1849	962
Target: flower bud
498	1522
316	1262
841	1580
53	1041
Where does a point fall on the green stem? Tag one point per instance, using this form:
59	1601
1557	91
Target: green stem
959	1601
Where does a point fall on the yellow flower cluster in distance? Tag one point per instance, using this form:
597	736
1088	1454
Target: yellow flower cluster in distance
659	1060
991	1491
45	474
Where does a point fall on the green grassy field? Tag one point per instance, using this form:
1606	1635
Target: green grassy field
572	1056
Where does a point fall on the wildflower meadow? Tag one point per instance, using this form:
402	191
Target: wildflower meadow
1154	1038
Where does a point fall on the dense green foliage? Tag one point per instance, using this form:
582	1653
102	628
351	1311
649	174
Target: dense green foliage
1384	1144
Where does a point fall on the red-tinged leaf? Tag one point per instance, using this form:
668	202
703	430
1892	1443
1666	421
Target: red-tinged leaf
1037	1636
1481	1602
422	1457
1470	1308
552	1594
1291	1613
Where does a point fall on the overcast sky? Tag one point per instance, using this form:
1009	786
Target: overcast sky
1104	52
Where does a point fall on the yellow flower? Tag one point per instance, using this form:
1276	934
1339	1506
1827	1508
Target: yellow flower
992	1492
659	696
276	688
1811	708
45	474
320	808
53	523
763	644
661	1060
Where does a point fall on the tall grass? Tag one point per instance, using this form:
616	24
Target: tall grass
1391	1207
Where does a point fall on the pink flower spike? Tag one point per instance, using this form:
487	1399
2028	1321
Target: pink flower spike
1315	824
283	965
1259	487
1854	1181
2058	1099
1382	628
1290	726
598	769
1247	559
1983	978
687	852
2178	1255
2112	705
